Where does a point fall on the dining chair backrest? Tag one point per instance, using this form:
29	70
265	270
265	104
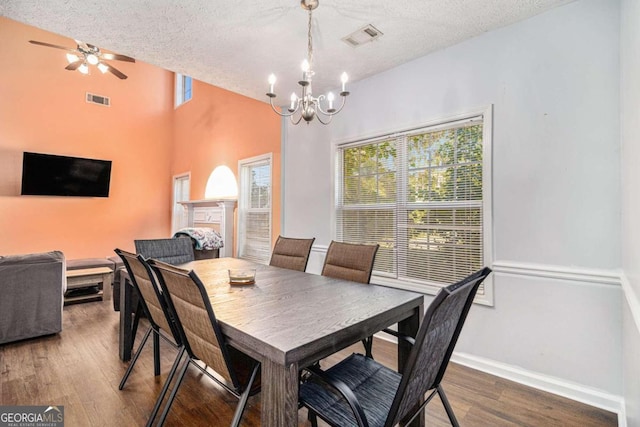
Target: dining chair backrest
434	344
195	319
172	251
350	261
153	302
291	253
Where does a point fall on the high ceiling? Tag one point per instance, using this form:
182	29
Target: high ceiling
237	44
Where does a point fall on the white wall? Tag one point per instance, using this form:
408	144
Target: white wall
307	192
307	187
554	83
630	114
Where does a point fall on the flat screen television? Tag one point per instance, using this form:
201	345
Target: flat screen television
49	175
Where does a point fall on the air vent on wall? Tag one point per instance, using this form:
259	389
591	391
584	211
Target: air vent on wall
364	35
97	99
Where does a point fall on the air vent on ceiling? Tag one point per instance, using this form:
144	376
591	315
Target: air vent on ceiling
97	99
364	35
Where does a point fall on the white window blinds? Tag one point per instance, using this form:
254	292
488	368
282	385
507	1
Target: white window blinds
254	209
419	195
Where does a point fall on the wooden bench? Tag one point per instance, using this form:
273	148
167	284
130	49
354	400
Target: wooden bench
89	277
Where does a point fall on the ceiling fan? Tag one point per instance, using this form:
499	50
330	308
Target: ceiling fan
87	54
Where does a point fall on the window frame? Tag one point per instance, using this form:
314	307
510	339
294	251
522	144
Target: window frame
185	176
486	114
180	94
243	196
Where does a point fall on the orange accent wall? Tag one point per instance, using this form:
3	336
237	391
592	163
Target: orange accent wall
218	127
43	109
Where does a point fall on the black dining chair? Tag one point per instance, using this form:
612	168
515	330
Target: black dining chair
359	391
161	322
203	339
172	251
291	253
351	261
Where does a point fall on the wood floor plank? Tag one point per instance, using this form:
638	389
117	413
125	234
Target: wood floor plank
80	369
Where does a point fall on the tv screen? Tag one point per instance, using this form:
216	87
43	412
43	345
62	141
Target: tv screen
48	175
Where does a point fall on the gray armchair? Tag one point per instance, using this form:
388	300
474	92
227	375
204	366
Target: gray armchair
32	288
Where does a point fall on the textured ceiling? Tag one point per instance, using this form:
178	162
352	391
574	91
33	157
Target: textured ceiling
237	44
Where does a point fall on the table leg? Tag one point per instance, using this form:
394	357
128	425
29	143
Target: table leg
107	279
410	326
125	334
279	395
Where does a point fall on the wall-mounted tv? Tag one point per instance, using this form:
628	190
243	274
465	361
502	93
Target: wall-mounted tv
49	175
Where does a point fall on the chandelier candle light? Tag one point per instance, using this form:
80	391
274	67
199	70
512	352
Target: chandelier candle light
309	106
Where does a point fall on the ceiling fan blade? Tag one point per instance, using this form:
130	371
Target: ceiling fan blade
74	65
118	57
116	72
51	45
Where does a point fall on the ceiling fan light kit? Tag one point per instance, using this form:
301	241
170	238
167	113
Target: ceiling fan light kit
308	105
87	54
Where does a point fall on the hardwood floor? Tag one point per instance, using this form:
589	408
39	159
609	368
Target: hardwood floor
80	369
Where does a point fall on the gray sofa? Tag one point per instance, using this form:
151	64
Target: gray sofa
31	295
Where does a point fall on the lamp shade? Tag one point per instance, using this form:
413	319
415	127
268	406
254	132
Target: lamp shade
222	184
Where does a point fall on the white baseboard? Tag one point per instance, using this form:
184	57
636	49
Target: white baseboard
580	393
561	387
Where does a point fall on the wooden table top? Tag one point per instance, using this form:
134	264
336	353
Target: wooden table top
290	316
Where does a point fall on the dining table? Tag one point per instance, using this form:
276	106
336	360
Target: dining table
288	320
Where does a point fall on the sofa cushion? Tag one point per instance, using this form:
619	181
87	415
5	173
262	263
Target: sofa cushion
27	259
32	288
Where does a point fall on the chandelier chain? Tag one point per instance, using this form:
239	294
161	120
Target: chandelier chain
310	43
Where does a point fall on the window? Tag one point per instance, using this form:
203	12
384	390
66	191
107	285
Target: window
254	209
424	196
181	185
184	89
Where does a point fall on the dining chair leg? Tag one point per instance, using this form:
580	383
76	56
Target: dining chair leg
172	396
447	406
243	398
156	353
165	387
312	419
368	347
135	358
136	320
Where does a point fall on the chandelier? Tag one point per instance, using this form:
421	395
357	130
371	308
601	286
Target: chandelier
309	106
